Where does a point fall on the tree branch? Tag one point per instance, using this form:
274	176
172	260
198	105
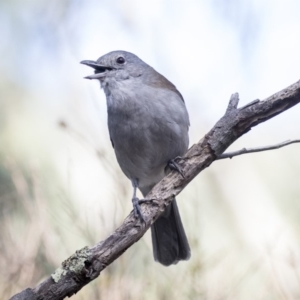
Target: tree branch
258	149
86	264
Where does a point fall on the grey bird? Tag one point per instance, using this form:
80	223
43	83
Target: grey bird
148	125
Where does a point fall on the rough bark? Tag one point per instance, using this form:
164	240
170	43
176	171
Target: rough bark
86	264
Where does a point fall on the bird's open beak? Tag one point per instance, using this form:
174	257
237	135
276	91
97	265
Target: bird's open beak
100	70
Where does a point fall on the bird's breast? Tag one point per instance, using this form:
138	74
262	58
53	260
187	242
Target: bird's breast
146	133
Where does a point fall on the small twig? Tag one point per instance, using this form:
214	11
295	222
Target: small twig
233	102
258	149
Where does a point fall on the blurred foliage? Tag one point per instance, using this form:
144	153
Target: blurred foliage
60	185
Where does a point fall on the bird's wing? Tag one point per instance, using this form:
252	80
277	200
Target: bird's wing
157	80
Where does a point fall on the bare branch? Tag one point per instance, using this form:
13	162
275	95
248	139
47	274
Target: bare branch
257	149
86	264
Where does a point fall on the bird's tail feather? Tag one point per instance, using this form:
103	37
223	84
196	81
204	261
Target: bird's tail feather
169	240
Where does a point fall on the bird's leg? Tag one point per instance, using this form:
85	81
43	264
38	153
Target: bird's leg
136	201
173	165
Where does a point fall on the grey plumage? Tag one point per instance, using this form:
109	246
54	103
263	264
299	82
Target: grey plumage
148	126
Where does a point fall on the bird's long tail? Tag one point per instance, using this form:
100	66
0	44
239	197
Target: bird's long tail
170	243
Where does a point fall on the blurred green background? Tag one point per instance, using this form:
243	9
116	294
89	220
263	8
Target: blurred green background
61	187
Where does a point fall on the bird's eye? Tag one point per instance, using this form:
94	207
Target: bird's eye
121	60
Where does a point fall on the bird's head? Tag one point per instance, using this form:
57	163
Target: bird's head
117	65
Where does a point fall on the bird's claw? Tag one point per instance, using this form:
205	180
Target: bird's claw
173	165
137	208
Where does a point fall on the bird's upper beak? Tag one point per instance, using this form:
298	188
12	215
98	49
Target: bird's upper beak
100	70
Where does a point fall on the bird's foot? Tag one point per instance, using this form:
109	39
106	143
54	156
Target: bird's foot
137	207
173	165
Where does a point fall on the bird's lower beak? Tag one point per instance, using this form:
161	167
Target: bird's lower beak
100	70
